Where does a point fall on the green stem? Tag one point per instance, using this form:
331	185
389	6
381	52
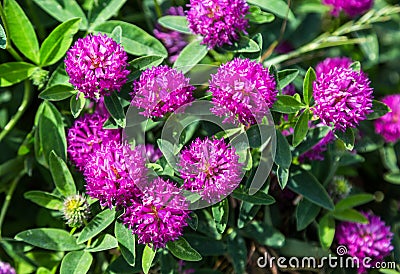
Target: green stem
331	173
72	231
13	52
89	242
7	201
9	48
21	110
319	43
271	48
337	38
158	8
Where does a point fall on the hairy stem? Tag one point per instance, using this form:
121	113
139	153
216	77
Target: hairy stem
21	110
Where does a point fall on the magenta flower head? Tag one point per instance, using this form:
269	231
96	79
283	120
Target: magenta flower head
85	136
316	152
161	90
350	7
329	63
343	98
218	21
96	65
242	90
6	268
114	172
160	216
389	125
174	41
371	240
210	168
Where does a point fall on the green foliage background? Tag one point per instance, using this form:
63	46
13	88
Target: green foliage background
37	105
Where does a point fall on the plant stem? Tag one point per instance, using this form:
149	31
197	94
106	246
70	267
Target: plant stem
274	44
337	37
72	231
89	242
319	43
21	110
13	52
7	201
158	8
10	49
